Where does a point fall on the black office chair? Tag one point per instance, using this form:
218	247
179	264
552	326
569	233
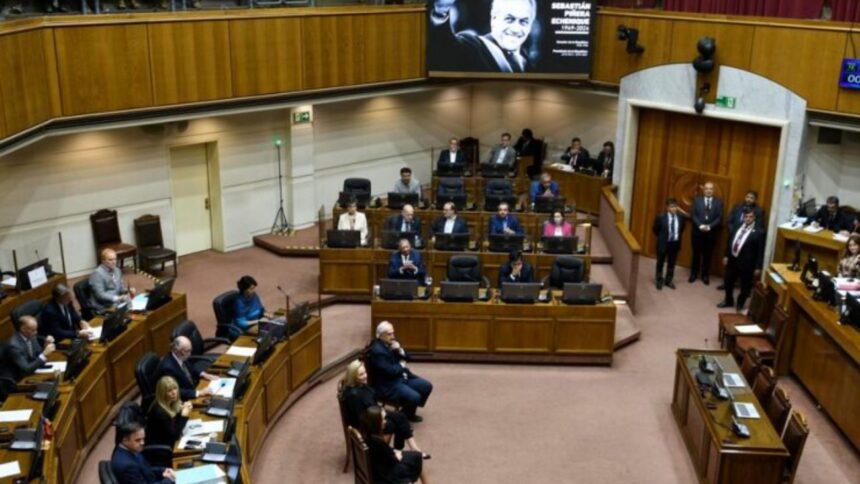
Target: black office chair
199	360
146	374
84	294
8	385
358	188
498	190
106	475
223	305
566	268
466	268
451	186
29	308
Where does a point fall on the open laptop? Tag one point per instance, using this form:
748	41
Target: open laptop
451	242
521	292
398	289
343	239
559	245
397	200
548	204
581	293
506	242
456	291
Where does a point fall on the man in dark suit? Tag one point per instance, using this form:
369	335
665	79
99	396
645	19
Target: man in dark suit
25	355
127	462
576	156
452	159
831	217
59	317
503	222
406	263
743	260
175	364
546	187
668	227
449	222
390	376
707	217
516	270
736	216
405	222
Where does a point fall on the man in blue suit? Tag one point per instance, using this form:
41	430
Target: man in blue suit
175	364
59	317
546	187
127	462
405	222
503	222
391	378
707	217
406	263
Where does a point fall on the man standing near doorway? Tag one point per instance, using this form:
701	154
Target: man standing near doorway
707	217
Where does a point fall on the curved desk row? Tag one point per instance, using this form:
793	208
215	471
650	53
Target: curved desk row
15	298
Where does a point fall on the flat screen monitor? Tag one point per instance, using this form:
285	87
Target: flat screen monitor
343	239
456	291
160	294
298	317
549	204
808	209
362	199
827	289
242	381
541	39
581	293
495	170
391	239
451	242
265	343
506	242
458	199
520	292
398	289
447	169
23	278
233	463
114	324
492	202
77	359
398	200
810	270
851	316
559	245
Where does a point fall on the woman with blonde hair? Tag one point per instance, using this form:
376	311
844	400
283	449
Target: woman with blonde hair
849	265
359	396
167	415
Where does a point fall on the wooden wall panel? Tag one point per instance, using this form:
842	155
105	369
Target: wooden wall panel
803	60
611	60
190	62
2	118
849	99
734	42
390	50
24	80
266	56
103	68
333	51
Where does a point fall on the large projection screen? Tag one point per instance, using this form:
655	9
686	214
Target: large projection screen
540	39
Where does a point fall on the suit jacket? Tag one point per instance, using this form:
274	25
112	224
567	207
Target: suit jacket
130	468
838	222
187	386
735	219
395	223
385	369
466	51
526	274
460	226
751	255
20	363
549	229
509	159
445	159
360	224
395	263
161	428
537	190
583	159
532	147
661	229
53	322
604	163
107	285
496	224
703	217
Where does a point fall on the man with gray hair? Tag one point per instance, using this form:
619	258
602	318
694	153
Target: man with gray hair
24	354
390	376
59	317
175	364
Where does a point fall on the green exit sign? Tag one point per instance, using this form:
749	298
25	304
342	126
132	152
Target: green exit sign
301	117
726	102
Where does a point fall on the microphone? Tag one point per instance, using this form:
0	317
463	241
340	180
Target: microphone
706	343
286	297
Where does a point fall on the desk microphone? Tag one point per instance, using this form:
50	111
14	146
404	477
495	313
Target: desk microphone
286	298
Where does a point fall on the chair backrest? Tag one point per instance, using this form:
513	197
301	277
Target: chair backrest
451	186
106	475
566	268
189	329
794	440
105	227
7	381
360	454
775	325
757	301
83	293
356	186
341	403
29	308
751	364
146	374
147	231
223	305
499	187
464	268
130	411
763	384
778	409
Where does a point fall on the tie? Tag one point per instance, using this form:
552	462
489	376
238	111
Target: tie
187	373
514	61
671	228
407	226
736	247
708	204
29	348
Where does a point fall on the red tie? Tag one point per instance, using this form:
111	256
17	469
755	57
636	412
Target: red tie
737	245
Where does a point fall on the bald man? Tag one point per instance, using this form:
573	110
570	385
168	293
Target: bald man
107	285
391	378
175	364
24	354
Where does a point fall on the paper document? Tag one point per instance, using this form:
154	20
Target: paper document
95	333
733	380
746	410
749	329
223	387
53	366
200	427
788	225
139	302
37	277
840	237
813	229
183	441
10	282
9	469
245	351
208	474
16	415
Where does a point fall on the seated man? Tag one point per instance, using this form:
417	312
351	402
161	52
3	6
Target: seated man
516	270
449	223
503	222
503	153
175	364
25	355
59	317
405	222
128	463
352	219
452	157
831	217
407	184
391	378
406	263
576	156
107	285
546	187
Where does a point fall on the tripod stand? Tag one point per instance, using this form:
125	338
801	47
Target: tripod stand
280	226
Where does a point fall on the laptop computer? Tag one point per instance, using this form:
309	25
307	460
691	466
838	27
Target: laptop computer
559	245
397	200
451	242
581	293
343	239
391	238
506	242
215	452
456	291
521	292
398	289
459	200
548	204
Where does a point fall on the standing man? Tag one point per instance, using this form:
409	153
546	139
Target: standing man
107	285
736	216
503	222
503	153
452	159
707	216
407	184
668	227
576	156
743	260
392	379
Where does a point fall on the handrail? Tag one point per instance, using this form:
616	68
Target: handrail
621	242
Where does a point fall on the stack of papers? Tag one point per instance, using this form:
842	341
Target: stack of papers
183	441
840	237
208	474
244	351
53	366
223	387
139	302
746	410
9	469
95	333
813	229
16	415
749	329
200	427
10	282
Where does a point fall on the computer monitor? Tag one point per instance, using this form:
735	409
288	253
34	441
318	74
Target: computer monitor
810	271
851	314
549	204
114	324
808	209
495	170
362	200
448	169
242	380
160	294
458	199
451	242
233	462
77	359
398	289
298	317
391	238
456	291
559	245
827	289
506	242
343	239
265	343
520	292
398	200
581	293
492	202
48	392
23	279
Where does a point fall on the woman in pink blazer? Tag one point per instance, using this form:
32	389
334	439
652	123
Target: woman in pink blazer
557	226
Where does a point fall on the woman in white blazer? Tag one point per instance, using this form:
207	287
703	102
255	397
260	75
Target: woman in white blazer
353	220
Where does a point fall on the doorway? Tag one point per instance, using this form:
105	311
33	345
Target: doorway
195	196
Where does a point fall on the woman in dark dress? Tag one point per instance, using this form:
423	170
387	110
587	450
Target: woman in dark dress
389	466
359	396
167	415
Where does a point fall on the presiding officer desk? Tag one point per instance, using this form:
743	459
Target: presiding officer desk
821	244
543	332
85	403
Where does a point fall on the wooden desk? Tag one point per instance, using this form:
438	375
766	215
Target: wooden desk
493	331
820	244
582	189
825	357
14	299
778	278
720	457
